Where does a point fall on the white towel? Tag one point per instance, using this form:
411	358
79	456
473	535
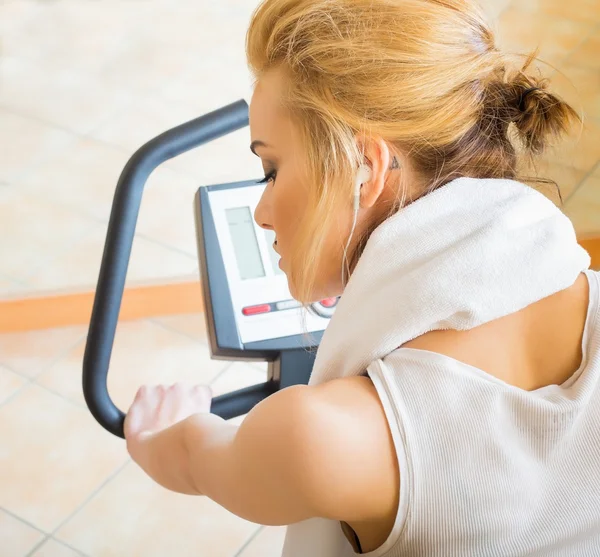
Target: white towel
470	252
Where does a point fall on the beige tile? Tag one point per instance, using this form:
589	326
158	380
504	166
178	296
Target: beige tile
268	543
43	229
133	126
134	516
578	10
167	211
16	537
143	63
27	142
143	353
520	32
109	18
13	15
52	548
580	148
193	325
493	8
167	178
193	87
10	289
30	353
70	99
237	376
144	120
587	55
189	34
580	87
83	177
225	159
98	30
583	208
78	267
10	383
567	178
44	436
152	262
222	23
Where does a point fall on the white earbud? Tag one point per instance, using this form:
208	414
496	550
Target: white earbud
362	175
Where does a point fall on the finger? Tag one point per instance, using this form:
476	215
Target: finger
141	393
132	422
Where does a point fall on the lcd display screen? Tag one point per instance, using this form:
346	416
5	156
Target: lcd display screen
245	244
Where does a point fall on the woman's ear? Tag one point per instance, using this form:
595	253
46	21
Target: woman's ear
377	156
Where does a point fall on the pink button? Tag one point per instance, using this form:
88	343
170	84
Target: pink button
329	302
254	310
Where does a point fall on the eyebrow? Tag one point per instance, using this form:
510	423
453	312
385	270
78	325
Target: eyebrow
257	143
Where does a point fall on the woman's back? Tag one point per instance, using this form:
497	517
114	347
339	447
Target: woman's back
494	468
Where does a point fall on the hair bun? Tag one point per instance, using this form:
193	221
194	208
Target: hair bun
538	114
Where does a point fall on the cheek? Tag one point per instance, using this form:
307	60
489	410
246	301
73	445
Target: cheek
289	202
288	208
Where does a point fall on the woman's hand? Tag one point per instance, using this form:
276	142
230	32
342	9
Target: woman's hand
149	424
156	408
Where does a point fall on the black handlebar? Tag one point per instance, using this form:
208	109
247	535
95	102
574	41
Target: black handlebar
115	260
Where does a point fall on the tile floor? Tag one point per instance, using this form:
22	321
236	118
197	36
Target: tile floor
82	85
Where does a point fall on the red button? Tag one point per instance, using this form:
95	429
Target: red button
253	310
329	302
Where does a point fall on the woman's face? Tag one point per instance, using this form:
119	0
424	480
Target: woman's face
275	140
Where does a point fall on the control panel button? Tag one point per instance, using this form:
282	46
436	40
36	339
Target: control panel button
288	304
324	308
255	310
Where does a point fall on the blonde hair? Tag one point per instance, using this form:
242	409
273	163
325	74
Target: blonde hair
424	75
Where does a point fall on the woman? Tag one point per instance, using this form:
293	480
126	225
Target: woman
454	405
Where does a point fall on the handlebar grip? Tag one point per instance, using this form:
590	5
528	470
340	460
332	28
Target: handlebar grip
117	249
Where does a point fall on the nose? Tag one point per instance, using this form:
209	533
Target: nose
262	213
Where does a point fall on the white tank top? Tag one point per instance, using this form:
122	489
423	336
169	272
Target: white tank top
488	469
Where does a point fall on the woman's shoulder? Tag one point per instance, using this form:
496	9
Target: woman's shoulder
337	436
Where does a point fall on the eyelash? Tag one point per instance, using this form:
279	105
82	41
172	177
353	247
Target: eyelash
268	177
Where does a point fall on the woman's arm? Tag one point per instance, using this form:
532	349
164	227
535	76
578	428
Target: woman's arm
303	452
